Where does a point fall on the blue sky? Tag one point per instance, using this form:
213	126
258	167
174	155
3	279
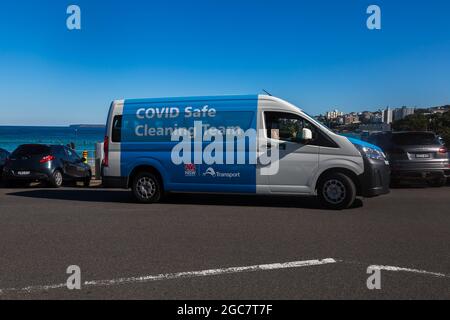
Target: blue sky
316	54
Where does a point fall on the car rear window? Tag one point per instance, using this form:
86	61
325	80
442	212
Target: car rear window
406	139
31	150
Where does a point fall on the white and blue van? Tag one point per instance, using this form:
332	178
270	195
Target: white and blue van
158	146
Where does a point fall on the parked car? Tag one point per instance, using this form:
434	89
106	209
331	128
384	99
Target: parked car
3	156
53	164
415	155
139	150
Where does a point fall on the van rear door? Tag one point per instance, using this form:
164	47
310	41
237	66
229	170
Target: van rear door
114	137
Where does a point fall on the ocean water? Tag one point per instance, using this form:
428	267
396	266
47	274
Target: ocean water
84	138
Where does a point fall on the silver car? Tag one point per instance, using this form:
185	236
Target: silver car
415	155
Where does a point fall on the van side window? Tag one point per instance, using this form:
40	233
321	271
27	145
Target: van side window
117	129
287	126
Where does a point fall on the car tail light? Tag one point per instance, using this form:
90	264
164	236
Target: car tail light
443	150
106	151
47	159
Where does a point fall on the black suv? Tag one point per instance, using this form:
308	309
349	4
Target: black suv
3	156
415	155
46	163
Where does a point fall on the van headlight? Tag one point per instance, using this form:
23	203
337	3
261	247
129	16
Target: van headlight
371	153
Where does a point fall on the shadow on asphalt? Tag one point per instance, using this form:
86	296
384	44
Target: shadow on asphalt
93	195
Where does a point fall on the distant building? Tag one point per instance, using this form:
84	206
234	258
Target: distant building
365	116
331	115
387	115
351	118
402	113
376	117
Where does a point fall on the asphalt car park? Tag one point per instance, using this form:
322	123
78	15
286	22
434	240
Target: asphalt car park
222	246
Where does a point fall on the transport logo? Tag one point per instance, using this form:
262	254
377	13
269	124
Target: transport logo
210	172
217	174
190	170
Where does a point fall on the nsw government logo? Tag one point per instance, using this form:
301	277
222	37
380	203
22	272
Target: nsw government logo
190	170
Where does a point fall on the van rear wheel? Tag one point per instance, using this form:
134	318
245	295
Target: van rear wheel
336	191
146	188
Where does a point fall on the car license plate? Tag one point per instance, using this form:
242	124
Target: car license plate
422	155
23	173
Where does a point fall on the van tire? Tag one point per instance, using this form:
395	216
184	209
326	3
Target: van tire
56	179
336	191
146	188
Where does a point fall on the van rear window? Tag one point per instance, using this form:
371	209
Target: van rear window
117	129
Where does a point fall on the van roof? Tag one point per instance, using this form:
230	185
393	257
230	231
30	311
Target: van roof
208	98
193	98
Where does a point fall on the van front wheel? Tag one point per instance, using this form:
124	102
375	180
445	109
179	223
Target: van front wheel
336	191
146	188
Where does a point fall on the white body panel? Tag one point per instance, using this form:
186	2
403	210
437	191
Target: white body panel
113	170
301	165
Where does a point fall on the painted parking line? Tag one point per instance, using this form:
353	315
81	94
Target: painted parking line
179	275
400	269
216	272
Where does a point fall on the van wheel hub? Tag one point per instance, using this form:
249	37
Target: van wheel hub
146	187
334	191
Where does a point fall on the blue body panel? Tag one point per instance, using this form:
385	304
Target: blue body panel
146	140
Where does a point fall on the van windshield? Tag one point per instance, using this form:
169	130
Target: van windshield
317	122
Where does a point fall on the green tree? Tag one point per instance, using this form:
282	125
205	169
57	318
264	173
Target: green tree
438	123
415	122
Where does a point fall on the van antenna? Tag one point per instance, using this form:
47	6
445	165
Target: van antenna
268	93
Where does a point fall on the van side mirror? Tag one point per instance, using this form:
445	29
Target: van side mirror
304	136
307	134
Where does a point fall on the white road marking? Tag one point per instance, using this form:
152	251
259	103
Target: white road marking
400	269
167	276
214	272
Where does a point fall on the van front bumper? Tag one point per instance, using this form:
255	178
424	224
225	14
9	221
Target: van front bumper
376	178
